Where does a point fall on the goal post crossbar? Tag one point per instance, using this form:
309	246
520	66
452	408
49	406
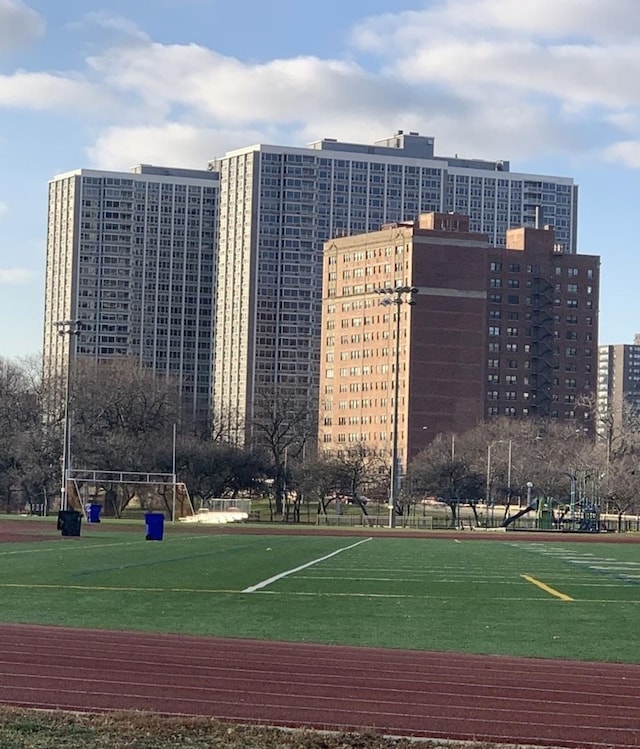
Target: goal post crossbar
121	477
79	476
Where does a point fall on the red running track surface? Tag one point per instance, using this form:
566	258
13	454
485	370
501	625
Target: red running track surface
394	692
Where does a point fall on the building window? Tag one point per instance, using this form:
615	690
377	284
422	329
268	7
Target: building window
494	330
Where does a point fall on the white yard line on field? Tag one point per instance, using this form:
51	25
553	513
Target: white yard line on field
273	579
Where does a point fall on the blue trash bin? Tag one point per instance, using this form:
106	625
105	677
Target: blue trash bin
93	511
154	522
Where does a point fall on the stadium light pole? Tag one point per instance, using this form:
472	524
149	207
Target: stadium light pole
488	486
70	328
396	296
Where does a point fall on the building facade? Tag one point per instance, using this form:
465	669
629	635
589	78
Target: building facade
542	325
131	258
618	385
278	205
493	332
385	357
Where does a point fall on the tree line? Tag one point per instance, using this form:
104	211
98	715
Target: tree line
122	418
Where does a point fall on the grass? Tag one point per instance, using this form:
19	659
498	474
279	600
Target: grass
28	729
410	593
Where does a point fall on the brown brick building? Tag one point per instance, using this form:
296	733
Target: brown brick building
492	332
542	324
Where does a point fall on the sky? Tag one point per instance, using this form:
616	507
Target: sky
549	85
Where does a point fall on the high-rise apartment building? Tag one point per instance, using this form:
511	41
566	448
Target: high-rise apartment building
493	332
131	257
278	205
618	385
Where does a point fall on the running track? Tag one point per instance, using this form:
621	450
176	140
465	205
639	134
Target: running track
396	692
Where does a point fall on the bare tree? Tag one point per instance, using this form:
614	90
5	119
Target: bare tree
283	423
29	456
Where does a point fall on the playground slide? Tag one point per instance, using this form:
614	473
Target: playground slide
512	518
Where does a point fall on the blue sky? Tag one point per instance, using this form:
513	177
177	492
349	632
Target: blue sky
550	85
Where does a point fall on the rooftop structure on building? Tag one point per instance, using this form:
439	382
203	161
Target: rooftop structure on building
130	256
279	204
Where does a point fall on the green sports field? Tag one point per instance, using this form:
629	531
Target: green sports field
517	596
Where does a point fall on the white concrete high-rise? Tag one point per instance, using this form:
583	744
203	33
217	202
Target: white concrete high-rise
618	393
279	204
131	257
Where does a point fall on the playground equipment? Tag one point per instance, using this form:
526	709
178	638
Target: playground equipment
584	516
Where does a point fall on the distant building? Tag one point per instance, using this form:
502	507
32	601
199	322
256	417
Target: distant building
131	256
618	384
493	332
279	204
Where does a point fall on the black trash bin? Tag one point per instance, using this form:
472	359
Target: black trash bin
154	522
93	512
69	522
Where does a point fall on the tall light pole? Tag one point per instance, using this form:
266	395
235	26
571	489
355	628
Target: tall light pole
399	295
69	328
488	486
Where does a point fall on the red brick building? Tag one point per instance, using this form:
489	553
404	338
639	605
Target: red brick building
492	332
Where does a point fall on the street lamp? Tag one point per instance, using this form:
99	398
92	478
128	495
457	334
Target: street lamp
399	295
69	328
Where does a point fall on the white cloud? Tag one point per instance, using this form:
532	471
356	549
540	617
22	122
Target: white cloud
579	52
625	152
487	78
19	25
617	20
4	209
15	276
43	91
212	85
118	25
170	144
